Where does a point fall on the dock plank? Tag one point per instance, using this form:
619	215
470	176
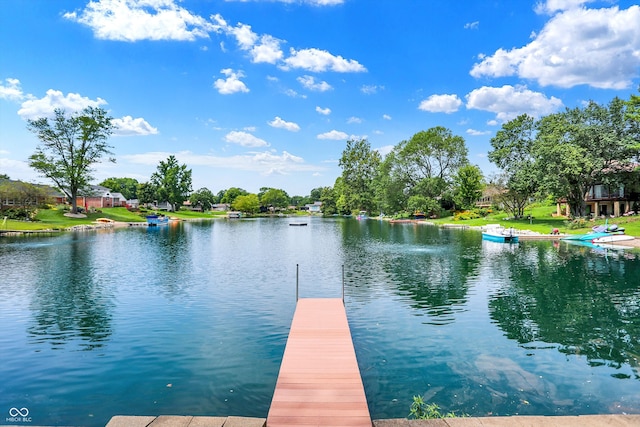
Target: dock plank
319	383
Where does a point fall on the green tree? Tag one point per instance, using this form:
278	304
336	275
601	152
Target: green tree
424	165
581	147
315	194
328	199
249	203
172	182
69	147
146	193
469	183
359	165
231	194
513	154
202	197
274	197
128	187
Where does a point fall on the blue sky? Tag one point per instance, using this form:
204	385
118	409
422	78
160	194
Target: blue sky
253	93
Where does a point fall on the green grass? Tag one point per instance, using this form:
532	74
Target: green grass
543	222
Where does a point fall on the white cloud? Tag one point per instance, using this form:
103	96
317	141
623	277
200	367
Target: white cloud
386	117
245	139
232	84
334	135
265	163
281	124
354	120
472	25
309	82
317	60
323	111
371	89
133	20
44	107
128	126
508	102
474	132
385	150
11	90
578	46
441	104
262	49
551	6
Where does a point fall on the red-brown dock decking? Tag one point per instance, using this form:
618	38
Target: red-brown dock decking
319	383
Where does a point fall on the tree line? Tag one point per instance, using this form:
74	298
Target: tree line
560	156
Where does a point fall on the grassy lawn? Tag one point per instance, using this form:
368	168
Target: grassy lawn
543	222
48	219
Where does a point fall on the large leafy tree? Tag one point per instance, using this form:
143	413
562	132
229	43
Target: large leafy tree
172	182
70	146
274	197
422	166
128	187
513	153
231	194
359	165
249	203
581	147
469	183
202	197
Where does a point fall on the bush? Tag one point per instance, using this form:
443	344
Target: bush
466	215
576	223
420	410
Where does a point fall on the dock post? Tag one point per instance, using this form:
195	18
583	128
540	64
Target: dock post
342	284
297	275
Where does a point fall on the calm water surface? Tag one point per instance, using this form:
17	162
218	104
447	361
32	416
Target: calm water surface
193	319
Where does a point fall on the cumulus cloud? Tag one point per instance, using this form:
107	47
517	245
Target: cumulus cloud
232	84
133	20
34	108
441	104
386	117
128	126
323	111
262	49
335	135
551	6
265	163
354	120
508	102
282	124
318	61
11	90
245	139
577	46
309	82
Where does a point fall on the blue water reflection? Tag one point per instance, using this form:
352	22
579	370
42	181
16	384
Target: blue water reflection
193	319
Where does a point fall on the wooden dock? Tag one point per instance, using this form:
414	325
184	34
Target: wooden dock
319	383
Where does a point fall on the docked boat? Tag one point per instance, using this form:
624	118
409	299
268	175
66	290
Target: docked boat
155	220
234	215
613	238
362	215
501	235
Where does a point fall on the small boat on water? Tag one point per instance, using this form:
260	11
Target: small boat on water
613	238
234	215
155	220
362	215
500	234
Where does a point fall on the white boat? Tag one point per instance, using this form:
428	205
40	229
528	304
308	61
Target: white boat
613	238
496	233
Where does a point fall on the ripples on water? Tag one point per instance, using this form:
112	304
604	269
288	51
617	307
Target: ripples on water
193	319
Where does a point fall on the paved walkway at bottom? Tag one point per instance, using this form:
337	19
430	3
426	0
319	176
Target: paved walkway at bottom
184	421
519	421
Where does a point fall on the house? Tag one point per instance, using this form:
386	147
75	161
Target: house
603	200
98	197
314	207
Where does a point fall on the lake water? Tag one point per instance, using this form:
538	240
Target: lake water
193	318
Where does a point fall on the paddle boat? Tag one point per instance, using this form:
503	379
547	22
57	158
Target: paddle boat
497	233
156	220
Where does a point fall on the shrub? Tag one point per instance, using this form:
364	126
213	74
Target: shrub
466	215
420	410
576	223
